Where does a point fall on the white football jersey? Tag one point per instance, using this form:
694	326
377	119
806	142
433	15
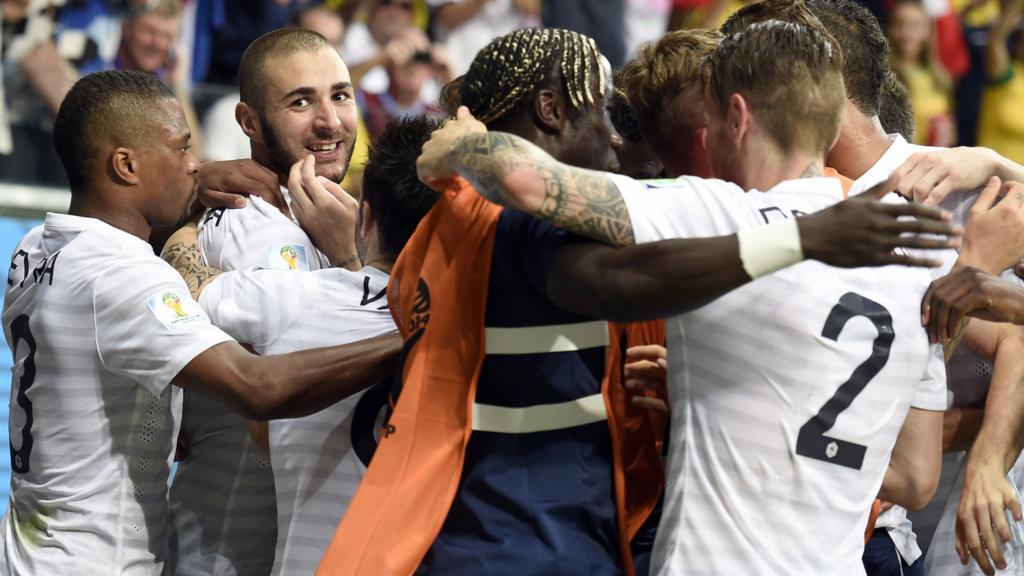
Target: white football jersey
787	394
222	499
98	327
318	460
968	373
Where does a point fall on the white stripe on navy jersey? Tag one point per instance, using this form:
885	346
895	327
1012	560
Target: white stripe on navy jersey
316	469
749	371
98	327
222	499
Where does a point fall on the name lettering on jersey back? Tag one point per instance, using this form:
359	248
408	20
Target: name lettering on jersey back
214	215
43	270
366	294
774	214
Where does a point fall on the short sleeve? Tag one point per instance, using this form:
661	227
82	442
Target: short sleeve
148	327
683	208
253	306
931	392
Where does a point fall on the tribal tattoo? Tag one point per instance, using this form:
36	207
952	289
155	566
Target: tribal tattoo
184	256
586	202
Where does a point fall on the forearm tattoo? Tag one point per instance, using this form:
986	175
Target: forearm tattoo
585	202
184	256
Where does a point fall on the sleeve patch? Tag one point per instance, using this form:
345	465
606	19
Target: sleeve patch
176	310
287	257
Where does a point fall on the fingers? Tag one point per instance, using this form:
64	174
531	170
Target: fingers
987	197
650	403
652	352
463	113
989	548
972	538
919	211
999	523
879	190
215	199
906	260
301	202
264	180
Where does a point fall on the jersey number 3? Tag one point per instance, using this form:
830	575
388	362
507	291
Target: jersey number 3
20	332
812	441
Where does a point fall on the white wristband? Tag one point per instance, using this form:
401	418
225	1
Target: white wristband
766	249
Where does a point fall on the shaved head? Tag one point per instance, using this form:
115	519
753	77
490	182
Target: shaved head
252	71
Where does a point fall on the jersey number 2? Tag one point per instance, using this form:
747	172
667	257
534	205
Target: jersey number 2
812	441
20	331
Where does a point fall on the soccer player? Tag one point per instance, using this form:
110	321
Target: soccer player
296	100
505	329
99	327
864	152
746	414
318	460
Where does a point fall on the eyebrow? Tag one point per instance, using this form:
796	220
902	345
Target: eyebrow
309	91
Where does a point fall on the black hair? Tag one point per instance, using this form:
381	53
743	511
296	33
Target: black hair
865	49
113	105
390	184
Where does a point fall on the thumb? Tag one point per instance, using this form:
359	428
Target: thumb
463	114
879	190
988	195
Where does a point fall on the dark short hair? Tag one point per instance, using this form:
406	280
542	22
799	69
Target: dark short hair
252	70
390	185
896	113
865	49
111	106
785	10
623	117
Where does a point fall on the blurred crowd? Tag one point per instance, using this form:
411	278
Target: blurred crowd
961	60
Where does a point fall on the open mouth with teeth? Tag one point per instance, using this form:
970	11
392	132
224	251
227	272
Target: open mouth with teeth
324	151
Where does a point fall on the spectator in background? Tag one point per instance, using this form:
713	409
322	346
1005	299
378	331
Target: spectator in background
912	57
369	47
466	26
1001	126
413	61
148	38
323	21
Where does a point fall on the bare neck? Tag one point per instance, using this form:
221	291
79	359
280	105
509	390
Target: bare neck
862	143
768	167
91	204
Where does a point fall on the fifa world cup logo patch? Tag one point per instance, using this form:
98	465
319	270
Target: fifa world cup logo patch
175	309
172	301
287	257
290	256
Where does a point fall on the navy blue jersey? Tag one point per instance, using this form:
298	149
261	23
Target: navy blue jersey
538	502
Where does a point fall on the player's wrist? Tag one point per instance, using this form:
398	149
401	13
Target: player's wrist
769	248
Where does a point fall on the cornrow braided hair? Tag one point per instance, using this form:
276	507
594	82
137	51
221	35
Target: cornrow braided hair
514	66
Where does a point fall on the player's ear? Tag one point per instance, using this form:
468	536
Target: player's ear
124	166
549	110
367	220
738	117
247	118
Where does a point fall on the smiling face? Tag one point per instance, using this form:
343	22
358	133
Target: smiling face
147	41
308	107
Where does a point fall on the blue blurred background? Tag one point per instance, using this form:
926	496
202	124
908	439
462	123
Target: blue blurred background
11	231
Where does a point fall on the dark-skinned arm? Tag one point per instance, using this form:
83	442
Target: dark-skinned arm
512	172
289	385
